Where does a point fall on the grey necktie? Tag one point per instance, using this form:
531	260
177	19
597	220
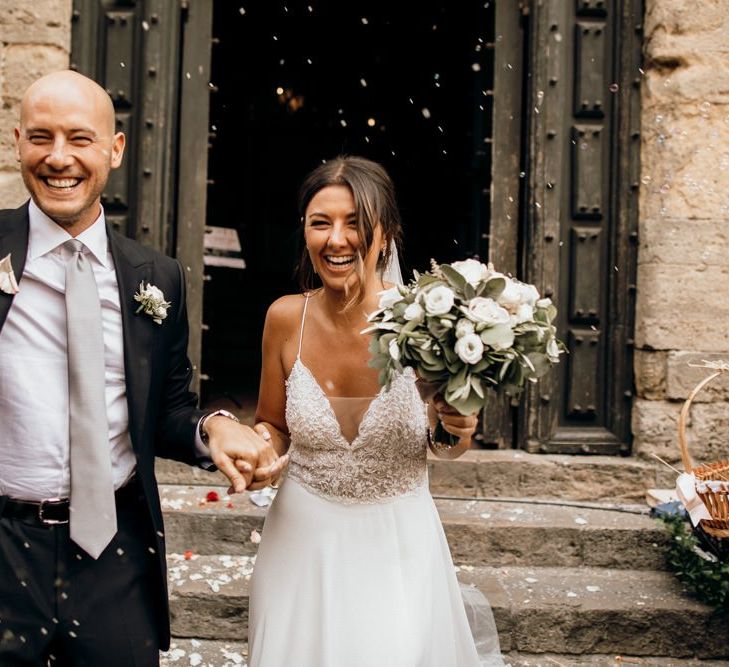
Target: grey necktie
93	509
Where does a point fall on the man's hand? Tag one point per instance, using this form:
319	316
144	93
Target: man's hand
234	449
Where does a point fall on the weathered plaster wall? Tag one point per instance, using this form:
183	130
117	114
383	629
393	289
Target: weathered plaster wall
35	38
683	261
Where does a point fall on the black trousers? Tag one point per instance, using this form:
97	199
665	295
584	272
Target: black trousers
61	608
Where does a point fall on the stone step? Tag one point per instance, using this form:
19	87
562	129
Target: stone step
503	473
212	653
479	532
565	611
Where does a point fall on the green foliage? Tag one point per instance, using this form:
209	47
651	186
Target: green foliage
704	575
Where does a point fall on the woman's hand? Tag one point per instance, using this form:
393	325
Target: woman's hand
270	465
463	427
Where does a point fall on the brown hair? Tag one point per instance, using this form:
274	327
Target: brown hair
374	203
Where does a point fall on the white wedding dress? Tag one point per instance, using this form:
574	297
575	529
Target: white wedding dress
353	569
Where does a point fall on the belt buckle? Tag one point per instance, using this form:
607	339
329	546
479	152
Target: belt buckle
52	502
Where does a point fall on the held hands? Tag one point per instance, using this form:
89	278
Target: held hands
242	454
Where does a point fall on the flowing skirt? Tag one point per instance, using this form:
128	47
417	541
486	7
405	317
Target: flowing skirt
359	585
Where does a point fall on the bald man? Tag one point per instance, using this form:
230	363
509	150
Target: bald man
91	594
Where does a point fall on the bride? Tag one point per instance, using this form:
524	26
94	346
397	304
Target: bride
353	568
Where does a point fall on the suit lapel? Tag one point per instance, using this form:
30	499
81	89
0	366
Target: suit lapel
131	270
14	240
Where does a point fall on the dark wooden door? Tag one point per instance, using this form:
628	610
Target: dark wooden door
153	58
581	216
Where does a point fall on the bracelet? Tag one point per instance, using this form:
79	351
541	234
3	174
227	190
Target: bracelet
436	445
218	413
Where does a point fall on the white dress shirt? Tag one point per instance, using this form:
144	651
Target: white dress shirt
34	451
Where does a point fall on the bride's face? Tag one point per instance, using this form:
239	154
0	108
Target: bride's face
330	232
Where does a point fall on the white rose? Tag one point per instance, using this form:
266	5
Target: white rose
524	313
464	327
439	300
154	293
414	312
394	349
389	297
469	348
486	311
472	270
516	293
544	303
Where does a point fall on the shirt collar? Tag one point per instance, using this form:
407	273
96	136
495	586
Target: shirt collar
46	235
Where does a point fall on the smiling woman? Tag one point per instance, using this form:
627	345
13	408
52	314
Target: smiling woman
66	147
350	222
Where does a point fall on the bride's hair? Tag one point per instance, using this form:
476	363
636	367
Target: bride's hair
374	203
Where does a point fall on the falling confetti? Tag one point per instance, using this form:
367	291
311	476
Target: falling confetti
255	536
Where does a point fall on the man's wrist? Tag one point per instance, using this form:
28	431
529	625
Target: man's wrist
204	436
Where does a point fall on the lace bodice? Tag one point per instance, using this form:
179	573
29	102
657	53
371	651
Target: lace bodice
386	459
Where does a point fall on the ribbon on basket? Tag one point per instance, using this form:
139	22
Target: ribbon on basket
686	492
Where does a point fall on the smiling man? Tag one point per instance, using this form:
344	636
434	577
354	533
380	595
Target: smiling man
92	388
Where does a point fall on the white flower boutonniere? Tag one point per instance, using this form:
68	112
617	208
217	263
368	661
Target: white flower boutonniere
152	302
8	284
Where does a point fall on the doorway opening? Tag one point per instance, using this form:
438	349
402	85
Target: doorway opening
295	83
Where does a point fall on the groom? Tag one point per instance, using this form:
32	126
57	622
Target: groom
94	383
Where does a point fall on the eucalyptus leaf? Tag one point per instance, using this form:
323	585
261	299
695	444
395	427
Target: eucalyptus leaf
456	280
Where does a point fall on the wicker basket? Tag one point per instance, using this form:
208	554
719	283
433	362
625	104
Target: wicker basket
717	502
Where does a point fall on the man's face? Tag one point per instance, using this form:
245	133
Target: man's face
66	147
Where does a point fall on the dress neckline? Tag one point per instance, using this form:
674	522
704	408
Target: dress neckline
366	419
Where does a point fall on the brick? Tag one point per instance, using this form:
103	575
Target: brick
24	63
8	121
655	429
682	376
650	374
37	22
684	241
12	190
678	305
685	157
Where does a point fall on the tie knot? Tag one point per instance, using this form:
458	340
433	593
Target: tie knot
74	246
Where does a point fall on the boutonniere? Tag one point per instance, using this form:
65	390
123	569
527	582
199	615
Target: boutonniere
152	302
8	284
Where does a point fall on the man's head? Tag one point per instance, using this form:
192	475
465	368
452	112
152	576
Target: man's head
66	146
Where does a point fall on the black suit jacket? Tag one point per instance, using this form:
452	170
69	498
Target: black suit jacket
162	411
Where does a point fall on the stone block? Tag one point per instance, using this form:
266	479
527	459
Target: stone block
679	241
678	306
24	63
685	158
37	22
8	121
655	431
682	375
650	374
12	190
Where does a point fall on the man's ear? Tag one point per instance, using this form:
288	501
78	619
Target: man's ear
117	149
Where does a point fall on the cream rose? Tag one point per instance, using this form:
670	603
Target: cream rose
485	311
472	270
464	327
439	300
389	297
414	312
469	348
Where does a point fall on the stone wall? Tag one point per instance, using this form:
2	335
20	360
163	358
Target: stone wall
35	39
683	261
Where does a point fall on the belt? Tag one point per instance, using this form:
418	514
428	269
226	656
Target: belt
56	511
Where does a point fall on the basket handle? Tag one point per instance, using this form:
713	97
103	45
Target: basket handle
683	418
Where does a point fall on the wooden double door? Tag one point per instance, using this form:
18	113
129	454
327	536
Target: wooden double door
510	130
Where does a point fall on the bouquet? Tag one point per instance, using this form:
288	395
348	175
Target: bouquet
464	328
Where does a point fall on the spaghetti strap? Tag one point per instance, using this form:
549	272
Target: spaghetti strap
303	319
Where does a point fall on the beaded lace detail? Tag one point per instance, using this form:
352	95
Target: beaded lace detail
386	459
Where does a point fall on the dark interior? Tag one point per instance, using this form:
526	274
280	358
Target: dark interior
406	84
